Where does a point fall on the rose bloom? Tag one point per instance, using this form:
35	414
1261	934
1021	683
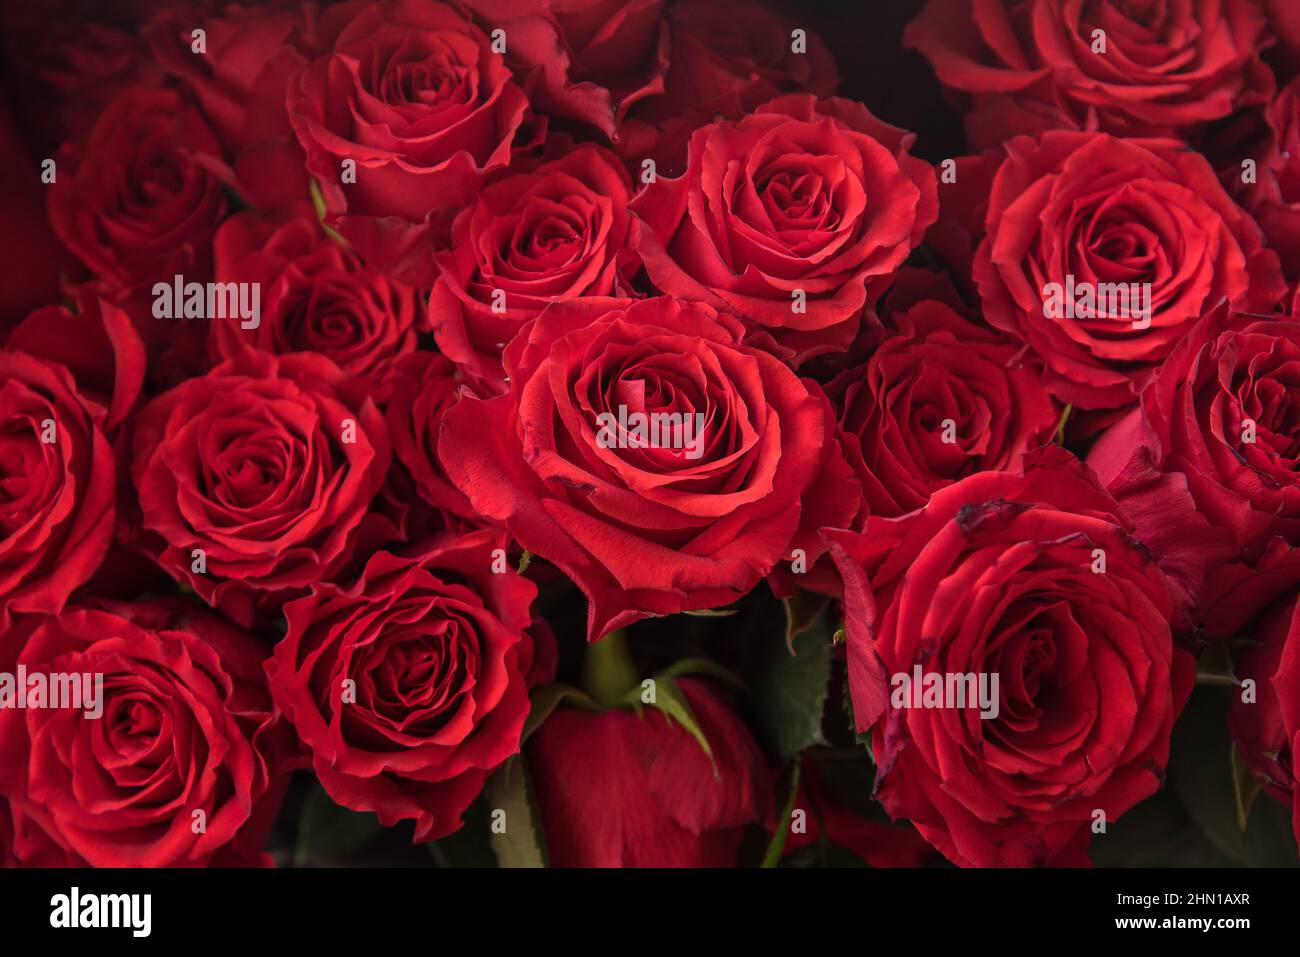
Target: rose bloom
1262	606
1274	199
531	238
940	376
585	60
1109	211
998	575
1169	66
642	528
627	789
187	737
1207	465
409	686
316	296
425	386
266	466
412	93
240	83
133	203
727	59
807	197
58	478
97	342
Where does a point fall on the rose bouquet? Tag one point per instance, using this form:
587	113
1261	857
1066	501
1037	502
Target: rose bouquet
649	433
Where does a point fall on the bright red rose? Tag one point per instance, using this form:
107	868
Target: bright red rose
941	400
999	575
648	525
410	686
255	479
133	203
1161	68
316	296
183	767
622	789
412	95
1207	465
792	218
58	478
530	239
1100	217
587	60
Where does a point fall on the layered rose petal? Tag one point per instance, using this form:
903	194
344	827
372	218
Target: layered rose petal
411	685
998	575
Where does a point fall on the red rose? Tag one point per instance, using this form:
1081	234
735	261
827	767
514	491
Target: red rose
1156	69
587	60
530	239
999	576
97	343
183	765
1207	465
58	478
133	204
413	96
240	80
411	685
1087	217
1274	199
827	819
940	401
316	296
647	527
792	218
727	59
622	789
425	386
254	479
1262	606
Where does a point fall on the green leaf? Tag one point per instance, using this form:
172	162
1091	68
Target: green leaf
701	666
712	612
547	698
790	689
1200	771
777	847
1245	788
1059	438
520	843
1270	837
670	699
330	834
471	846
318	203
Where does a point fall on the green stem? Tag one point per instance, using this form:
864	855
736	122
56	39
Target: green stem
608	672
